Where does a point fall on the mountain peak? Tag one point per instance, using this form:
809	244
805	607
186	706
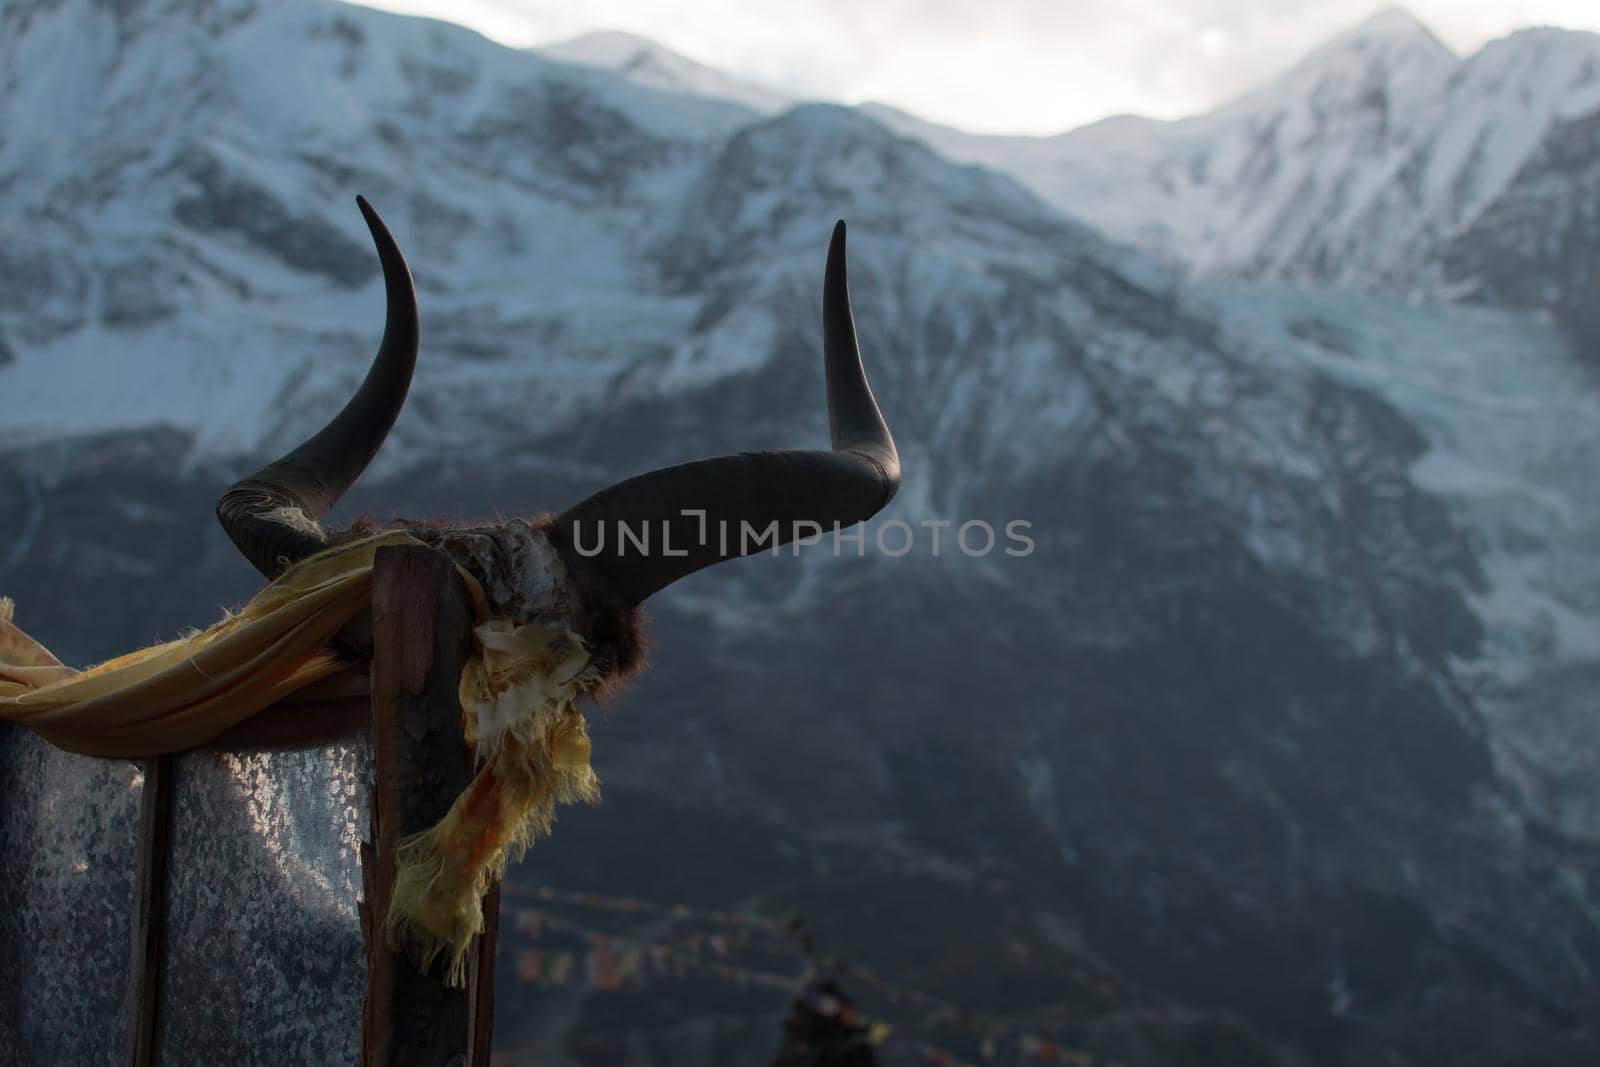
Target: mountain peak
1387	28
1391	21
609	48
1390	53
652	64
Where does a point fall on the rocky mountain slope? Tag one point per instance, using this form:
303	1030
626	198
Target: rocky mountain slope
1205	778
1383	163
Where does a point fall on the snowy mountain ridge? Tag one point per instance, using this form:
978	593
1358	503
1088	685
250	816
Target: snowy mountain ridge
1369	163
644	62
1359	166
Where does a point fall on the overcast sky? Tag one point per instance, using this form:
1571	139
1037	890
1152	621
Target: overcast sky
1002	66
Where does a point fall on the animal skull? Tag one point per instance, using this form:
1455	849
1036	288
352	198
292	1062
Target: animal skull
581	566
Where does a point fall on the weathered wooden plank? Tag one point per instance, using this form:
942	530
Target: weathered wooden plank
141	1006
422	630
320	714
483	981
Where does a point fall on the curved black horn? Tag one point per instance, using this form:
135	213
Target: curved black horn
272	515
696	514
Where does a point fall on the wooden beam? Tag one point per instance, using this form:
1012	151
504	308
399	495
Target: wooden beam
141	1002
481	977
320	714
422	635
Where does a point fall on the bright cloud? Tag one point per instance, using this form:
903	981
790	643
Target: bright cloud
1013	66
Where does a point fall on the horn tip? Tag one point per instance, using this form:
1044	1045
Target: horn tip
375	223
370	214
834	276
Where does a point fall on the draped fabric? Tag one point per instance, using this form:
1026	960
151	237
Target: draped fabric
187	692
519	712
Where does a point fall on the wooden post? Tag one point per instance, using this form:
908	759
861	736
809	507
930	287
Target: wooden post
480	979
422	635
142	998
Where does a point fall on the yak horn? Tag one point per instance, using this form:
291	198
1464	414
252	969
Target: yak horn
273	514
641	535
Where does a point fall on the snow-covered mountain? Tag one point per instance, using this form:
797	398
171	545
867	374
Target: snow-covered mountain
119	215
1228	770
1253	185
1380	161
1537	245
644	62
1512	425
